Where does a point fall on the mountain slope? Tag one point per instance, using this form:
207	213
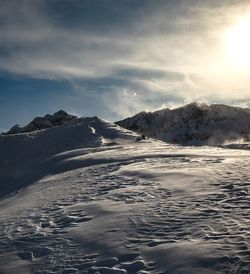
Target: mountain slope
194	124
26	157
87	197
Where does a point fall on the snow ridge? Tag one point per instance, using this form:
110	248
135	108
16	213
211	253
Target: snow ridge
193	124
40	152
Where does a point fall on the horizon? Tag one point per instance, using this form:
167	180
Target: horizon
113	59
79	116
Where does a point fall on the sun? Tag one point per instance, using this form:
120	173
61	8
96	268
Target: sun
237	41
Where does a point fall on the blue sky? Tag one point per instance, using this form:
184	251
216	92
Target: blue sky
114	58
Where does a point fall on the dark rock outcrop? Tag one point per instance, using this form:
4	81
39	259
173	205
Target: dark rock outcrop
47	121
193	124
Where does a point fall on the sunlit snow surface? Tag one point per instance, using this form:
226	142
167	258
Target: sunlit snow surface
92	200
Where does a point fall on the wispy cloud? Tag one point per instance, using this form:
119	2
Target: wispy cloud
162	51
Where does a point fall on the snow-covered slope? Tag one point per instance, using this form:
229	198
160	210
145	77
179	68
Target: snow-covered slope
196	124
26	157
86	197
47	121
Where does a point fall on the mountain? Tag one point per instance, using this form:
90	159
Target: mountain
26	157
193	124
88	197
47	121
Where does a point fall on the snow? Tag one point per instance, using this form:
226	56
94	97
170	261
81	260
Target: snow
88	197
193	124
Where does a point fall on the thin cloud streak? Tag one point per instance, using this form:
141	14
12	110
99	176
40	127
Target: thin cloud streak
160	50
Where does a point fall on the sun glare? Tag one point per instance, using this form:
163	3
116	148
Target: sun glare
237	40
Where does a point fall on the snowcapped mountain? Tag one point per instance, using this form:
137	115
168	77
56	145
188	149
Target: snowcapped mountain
193	124
48	121
88	196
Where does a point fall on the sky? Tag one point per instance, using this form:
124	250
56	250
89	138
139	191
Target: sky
115	58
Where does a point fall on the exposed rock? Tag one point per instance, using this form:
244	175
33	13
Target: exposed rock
48	121
193	124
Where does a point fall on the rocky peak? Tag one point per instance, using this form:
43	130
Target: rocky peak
47	121
195	123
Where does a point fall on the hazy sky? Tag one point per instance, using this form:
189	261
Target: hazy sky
114	58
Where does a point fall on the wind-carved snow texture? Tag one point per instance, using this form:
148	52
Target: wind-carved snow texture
121	206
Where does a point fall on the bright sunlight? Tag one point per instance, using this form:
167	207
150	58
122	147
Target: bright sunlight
237	40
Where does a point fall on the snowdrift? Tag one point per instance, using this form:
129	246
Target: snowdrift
27	157
90	197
